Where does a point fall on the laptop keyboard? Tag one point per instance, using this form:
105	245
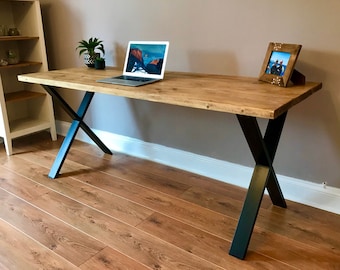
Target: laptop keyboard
137	79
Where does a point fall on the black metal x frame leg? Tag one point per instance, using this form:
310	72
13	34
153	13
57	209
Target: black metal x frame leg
76	124
263	150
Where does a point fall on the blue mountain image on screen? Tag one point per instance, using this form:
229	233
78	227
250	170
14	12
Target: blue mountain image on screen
146	58
278	63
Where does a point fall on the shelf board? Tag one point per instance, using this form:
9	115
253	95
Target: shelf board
16	38
21	64
22	95
26	126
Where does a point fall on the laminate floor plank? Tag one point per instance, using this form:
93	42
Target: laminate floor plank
166	204
150	198
102	200
120	236
122	212
202	244
119	168
285	222
54	234
177	210
18	252
233	208
146	248
110	259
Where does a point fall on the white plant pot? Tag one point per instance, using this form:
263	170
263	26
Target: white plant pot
89	60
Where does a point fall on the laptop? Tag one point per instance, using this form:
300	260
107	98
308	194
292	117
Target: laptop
144	63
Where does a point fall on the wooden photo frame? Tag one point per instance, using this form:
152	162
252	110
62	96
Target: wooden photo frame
279	62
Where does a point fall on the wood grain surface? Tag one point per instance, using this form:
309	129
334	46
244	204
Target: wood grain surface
231	94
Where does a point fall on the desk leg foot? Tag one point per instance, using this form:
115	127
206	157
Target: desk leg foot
65	147
249	212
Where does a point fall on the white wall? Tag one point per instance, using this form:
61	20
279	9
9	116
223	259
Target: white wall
215	36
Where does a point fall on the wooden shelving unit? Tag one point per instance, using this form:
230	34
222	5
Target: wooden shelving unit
22	95
25	108
21	64
16	38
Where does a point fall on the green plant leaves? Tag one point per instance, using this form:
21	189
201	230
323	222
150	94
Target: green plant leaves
90	46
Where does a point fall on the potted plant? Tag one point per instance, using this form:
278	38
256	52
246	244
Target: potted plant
88	48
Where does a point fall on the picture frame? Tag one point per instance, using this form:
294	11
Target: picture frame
279	62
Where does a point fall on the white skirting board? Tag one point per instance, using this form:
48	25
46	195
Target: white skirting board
315	195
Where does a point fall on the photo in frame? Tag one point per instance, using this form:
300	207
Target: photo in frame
279	62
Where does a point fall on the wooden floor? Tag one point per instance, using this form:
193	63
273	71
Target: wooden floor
120	212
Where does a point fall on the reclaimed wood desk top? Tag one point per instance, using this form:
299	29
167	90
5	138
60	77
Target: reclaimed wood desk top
231	94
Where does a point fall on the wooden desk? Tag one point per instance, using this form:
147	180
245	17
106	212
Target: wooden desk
247	98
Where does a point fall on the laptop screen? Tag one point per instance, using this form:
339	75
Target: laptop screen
146	59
